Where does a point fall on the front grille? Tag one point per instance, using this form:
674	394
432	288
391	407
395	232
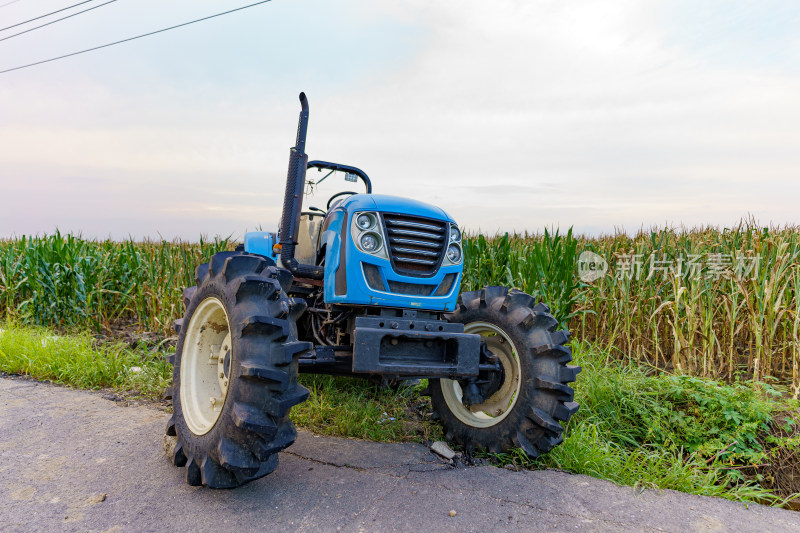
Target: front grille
413	289
416	244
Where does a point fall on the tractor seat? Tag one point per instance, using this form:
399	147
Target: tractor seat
308	237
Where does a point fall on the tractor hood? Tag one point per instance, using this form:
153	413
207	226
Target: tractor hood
394	204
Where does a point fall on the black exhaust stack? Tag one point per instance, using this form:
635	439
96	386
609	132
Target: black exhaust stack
293	201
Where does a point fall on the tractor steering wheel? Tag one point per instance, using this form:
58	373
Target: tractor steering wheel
335	196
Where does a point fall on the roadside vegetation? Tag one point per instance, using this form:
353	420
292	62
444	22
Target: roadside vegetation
336	406
650	429
723	304
79	360
635	427
709	302
101	286
689	373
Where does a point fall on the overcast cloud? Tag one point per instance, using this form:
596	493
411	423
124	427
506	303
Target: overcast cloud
510	115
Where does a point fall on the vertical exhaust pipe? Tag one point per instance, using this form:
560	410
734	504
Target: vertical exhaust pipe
293	200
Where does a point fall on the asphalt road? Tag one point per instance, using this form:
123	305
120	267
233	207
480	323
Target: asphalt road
74	461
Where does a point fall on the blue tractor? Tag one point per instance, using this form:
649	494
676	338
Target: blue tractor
368	287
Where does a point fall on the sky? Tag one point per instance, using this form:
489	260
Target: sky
511	115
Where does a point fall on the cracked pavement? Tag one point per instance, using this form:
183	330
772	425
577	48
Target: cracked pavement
74	461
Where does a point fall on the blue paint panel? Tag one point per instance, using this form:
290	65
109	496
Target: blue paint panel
393	204
331	238
358	292
260	242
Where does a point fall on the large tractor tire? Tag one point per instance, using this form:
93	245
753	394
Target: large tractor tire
235	372
523	406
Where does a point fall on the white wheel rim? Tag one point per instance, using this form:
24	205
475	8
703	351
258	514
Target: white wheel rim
204	380
499	404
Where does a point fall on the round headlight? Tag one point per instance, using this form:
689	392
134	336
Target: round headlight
455	234
370	242
364	221
454	253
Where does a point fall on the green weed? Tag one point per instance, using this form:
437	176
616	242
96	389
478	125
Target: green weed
79	361
674	432
356	408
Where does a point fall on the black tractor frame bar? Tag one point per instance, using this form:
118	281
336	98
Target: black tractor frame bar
325	165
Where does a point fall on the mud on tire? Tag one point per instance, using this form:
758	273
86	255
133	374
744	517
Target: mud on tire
543	397
259	367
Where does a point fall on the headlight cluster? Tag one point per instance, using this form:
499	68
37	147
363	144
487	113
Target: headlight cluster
454	254
367	233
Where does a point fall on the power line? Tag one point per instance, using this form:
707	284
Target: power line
57	20
41	16
134	38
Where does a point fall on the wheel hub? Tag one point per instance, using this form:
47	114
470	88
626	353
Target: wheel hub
223	362
205	366
500	402
477	389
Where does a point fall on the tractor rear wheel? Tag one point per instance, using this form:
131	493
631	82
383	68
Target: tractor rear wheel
523	404
235	371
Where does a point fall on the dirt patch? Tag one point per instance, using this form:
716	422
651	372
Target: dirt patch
23	493
130	332
130	399
782	472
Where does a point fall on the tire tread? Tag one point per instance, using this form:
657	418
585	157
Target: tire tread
535	423
243	443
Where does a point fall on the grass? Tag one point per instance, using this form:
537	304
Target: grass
644	428
635	426
356	408
79	361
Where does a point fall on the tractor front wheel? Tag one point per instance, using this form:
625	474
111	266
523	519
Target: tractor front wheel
523	403
235	372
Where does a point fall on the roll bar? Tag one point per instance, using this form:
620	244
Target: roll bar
325	165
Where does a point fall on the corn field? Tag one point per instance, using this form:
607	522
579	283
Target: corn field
68	282
722	303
